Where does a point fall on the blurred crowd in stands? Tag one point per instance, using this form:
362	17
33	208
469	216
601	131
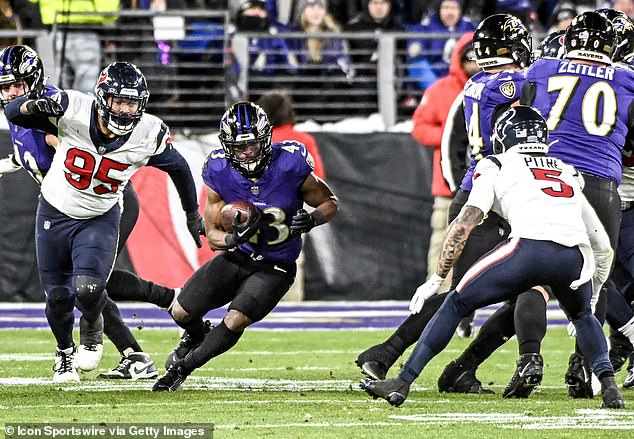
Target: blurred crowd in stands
342	66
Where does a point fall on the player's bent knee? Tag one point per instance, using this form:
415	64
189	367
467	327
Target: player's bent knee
237	321
178	313
543	291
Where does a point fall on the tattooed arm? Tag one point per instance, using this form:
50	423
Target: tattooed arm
457	234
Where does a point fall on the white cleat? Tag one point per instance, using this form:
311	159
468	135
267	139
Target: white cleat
65	366
89	356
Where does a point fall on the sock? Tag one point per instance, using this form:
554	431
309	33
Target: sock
126	286
195	328
494	333
116	330
530	321
220	339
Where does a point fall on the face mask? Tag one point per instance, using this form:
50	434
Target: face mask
250	23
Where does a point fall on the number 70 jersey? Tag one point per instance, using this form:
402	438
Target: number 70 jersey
87	176
586	108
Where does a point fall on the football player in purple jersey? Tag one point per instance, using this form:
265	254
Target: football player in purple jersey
588	104
257	265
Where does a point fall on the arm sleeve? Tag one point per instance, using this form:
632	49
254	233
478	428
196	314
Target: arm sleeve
528	94
454	145
172	162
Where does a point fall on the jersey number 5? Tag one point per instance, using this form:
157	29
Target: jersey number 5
560	189
81	165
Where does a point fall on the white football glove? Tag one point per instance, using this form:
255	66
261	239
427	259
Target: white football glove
424	292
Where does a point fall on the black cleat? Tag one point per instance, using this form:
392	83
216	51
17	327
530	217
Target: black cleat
612	398
375	361
579	377
456	379
528	374
393	390
172	380
185	346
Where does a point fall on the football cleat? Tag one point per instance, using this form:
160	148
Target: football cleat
456	379
579	377
89	356
90	343
65	366
375	361
528	374
393	390
172	380
185	346
134	366
612	398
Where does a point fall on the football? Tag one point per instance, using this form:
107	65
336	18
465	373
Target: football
246	209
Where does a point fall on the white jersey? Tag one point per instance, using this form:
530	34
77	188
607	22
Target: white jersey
538	196
541	199
87	179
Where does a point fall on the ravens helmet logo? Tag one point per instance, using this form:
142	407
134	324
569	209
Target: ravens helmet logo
513	25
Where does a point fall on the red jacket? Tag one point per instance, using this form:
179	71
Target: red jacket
431	115
286	132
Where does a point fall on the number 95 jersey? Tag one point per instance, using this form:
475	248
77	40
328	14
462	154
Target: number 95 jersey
277	193
586	108
87	176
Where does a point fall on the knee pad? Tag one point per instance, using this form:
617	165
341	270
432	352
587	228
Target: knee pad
91	295
462	306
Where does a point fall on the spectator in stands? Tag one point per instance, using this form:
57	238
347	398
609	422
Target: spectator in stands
78	44
329	54
270	5
428	125
377	16
430	57
278	106
562	16
9	22
626	6
267	56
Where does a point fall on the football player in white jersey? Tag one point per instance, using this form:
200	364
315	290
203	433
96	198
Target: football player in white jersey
103	141
550	221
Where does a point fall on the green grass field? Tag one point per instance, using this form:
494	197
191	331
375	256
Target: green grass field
302	385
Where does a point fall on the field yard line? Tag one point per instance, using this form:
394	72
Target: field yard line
308	424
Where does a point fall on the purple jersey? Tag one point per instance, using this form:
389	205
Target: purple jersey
30	148
586	108
276	193
484	93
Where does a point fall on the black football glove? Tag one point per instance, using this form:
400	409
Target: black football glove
302	222
242	232
44	107
196	227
